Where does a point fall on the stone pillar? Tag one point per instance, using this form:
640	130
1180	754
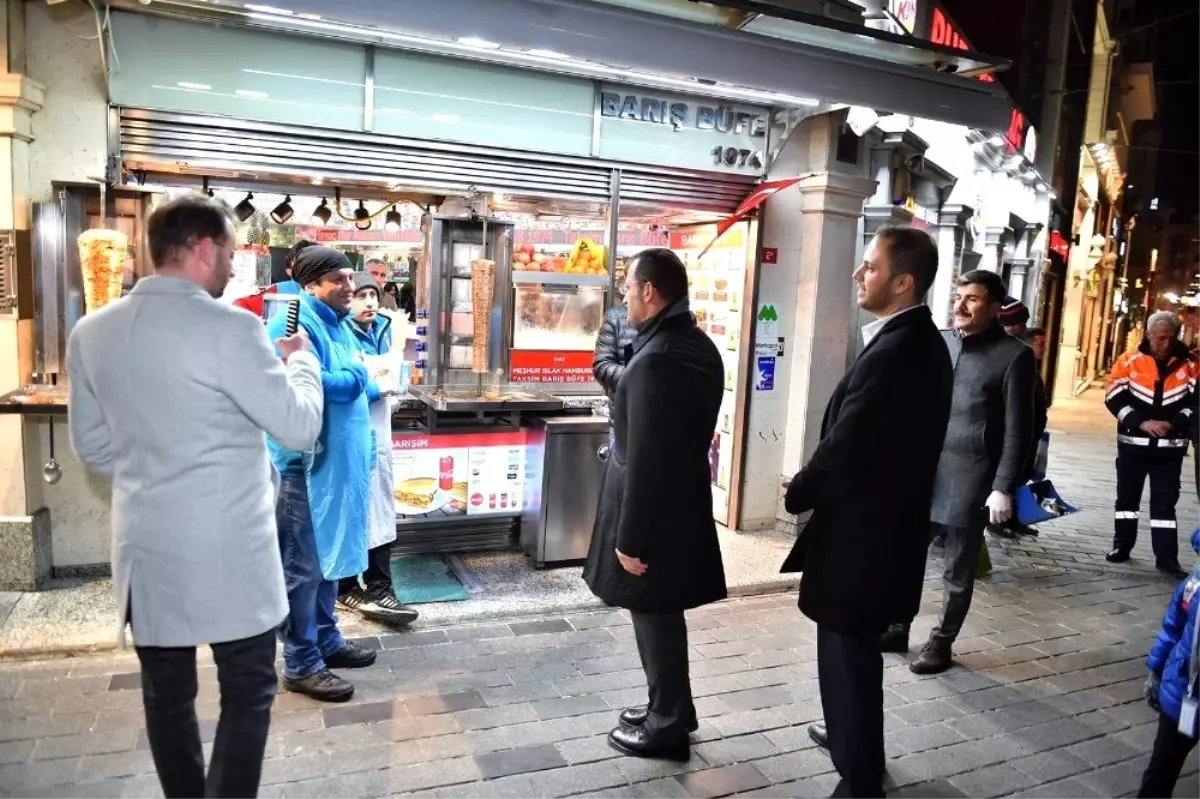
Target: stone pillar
1067	370
951	227
25	553
994	241
831	205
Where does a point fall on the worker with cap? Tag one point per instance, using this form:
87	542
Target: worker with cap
373	594
323	500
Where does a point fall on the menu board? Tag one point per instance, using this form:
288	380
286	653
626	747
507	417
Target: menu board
466	474
717	286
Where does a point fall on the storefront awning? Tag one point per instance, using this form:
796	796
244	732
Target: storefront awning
827	64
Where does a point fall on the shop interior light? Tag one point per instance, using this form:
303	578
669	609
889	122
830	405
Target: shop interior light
996	141
392	221
322	214
245	209
283	212
362	217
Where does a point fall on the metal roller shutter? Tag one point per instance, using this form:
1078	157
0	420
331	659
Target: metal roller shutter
168	142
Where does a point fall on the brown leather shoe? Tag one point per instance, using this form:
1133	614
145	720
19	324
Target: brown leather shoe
934	658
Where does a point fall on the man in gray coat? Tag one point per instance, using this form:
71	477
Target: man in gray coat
170	392
985	453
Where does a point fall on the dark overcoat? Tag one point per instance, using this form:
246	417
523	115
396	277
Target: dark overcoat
656	498
991	424
870	481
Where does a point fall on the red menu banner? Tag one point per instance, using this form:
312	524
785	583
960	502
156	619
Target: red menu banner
550	366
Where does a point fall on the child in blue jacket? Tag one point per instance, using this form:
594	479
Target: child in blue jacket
1173	687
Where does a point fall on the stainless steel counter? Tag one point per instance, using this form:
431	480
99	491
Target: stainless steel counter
564	469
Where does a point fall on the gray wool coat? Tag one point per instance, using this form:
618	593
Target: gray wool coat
991	425
170	392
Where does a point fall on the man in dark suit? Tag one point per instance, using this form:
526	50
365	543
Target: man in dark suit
869	485
986	454
654	548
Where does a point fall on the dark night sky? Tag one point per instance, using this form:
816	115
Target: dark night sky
1176	71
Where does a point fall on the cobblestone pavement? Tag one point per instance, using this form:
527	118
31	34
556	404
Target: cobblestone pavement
1046	699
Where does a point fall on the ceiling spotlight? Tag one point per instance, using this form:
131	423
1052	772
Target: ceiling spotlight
392	221
207	190
245	209
283	212
362	217
322	214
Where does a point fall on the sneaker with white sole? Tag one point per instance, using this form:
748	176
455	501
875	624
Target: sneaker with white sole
378	606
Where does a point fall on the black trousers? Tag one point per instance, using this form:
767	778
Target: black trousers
1164	469
1171	750
378	575
246	673
663	647
850	671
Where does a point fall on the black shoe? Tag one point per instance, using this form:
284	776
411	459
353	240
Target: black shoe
1171	569
351	656
1023	529
636	742
1002	531
934	659
322	685
636	716
819	735
1117	556
895	639
379	605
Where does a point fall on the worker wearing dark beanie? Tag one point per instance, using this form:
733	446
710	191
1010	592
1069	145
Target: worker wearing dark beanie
313	263
322	506
1014	316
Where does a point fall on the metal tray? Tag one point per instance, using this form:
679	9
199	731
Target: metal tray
467	399
35	401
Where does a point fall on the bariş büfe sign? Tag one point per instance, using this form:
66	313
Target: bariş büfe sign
550	366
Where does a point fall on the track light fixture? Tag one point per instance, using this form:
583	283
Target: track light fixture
362	217
245	209
283	212
392	221
322	214
207	191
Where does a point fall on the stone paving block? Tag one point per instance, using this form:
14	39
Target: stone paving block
46	726
279	770
749	721
428	775
1117	779
1103	751
519	761
1046	767
489	717
928	712
16	751
480	632
795	765
588	750
569	706
640	770
919	739
790	739
65	746
740	749
541	626
811	788
602	619
444	703
722	781
584	779
365	713
998	780
129	681
516	694
756	698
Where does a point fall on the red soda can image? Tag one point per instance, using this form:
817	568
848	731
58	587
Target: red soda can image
504	500
492	501
446	472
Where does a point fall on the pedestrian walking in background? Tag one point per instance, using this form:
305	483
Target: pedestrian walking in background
323	502
375	597
654	548
1152	392
985	456
1173	687
1014	317
195	551
377	270
869	485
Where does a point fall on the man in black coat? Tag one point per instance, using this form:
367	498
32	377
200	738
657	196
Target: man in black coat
869	485
654	547
986	453
611	346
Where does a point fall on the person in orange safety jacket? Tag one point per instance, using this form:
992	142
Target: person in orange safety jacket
1152	392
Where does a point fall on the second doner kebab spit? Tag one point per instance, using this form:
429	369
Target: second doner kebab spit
483	281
